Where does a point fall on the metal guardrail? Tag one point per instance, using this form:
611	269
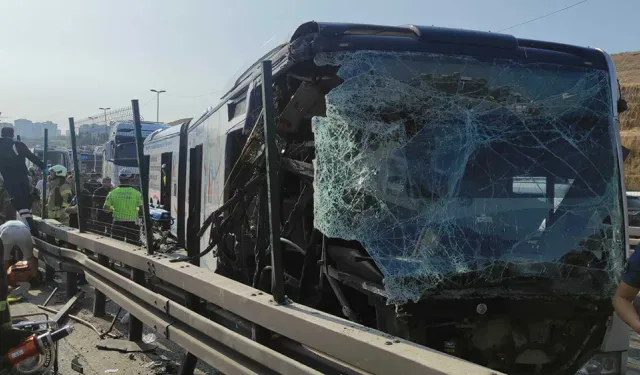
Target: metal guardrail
344	345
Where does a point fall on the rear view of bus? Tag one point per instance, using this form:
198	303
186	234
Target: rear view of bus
120	150
471	179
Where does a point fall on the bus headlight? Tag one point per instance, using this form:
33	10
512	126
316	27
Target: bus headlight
603	364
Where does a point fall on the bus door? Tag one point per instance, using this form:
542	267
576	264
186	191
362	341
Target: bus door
165	180
195	190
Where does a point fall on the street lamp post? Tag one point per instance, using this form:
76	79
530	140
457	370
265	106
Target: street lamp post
106	124
158	92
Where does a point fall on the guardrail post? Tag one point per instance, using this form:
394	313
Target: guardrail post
76	175
135	325
273	184
188	366
192	302
144	176
99	299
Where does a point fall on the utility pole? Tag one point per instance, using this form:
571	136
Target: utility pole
106	124
158	92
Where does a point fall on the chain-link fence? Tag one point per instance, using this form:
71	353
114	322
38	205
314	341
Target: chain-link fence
107	195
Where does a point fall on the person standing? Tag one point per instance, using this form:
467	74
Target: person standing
92	183
103	218
84	198
59	194
123	202
13	167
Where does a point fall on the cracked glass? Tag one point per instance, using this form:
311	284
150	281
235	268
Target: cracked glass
456	173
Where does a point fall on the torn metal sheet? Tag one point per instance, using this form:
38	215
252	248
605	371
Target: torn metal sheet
457	173
125	346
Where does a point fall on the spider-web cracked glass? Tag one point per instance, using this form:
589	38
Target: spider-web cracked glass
455	173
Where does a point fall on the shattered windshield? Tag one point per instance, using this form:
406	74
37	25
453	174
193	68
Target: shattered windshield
455	173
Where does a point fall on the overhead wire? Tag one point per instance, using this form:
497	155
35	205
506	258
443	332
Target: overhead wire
543	16
148	102
218	92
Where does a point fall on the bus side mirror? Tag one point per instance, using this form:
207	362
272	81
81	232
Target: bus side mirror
623	106
625	153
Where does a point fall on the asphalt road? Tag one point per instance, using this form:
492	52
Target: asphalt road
633	361
81	344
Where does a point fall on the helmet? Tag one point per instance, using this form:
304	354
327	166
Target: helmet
58	170
125	173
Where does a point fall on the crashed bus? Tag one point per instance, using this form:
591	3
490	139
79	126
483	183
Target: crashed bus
459	189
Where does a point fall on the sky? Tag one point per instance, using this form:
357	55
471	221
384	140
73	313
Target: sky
67	58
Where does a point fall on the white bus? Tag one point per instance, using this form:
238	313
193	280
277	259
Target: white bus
166	185
120	151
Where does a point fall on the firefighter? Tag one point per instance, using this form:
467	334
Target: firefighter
6	209
124	202
59	194
13	167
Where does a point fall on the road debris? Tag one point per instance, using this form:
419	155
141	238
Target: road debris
113	323
125	318
152	364
50	296
149	338
75	363
20	290
125	346
77	319
64	311
111	370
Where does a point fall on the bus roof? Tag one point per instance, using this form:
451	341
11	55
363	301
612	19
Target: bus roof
314	37
171	131
126	129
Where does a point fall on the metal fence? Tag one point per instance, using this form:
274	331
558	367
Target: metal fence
103	190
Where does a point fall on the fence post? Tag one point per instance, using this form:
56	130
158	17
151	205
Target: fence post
49	271
144	177
76	175
273	184
44	212
135	325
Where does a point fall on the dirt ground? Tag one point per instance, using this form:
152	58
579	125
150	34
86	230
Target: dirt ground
81	344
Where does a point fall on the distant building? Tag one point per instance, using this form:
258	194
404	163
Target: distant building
29	129
24	128
50	126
